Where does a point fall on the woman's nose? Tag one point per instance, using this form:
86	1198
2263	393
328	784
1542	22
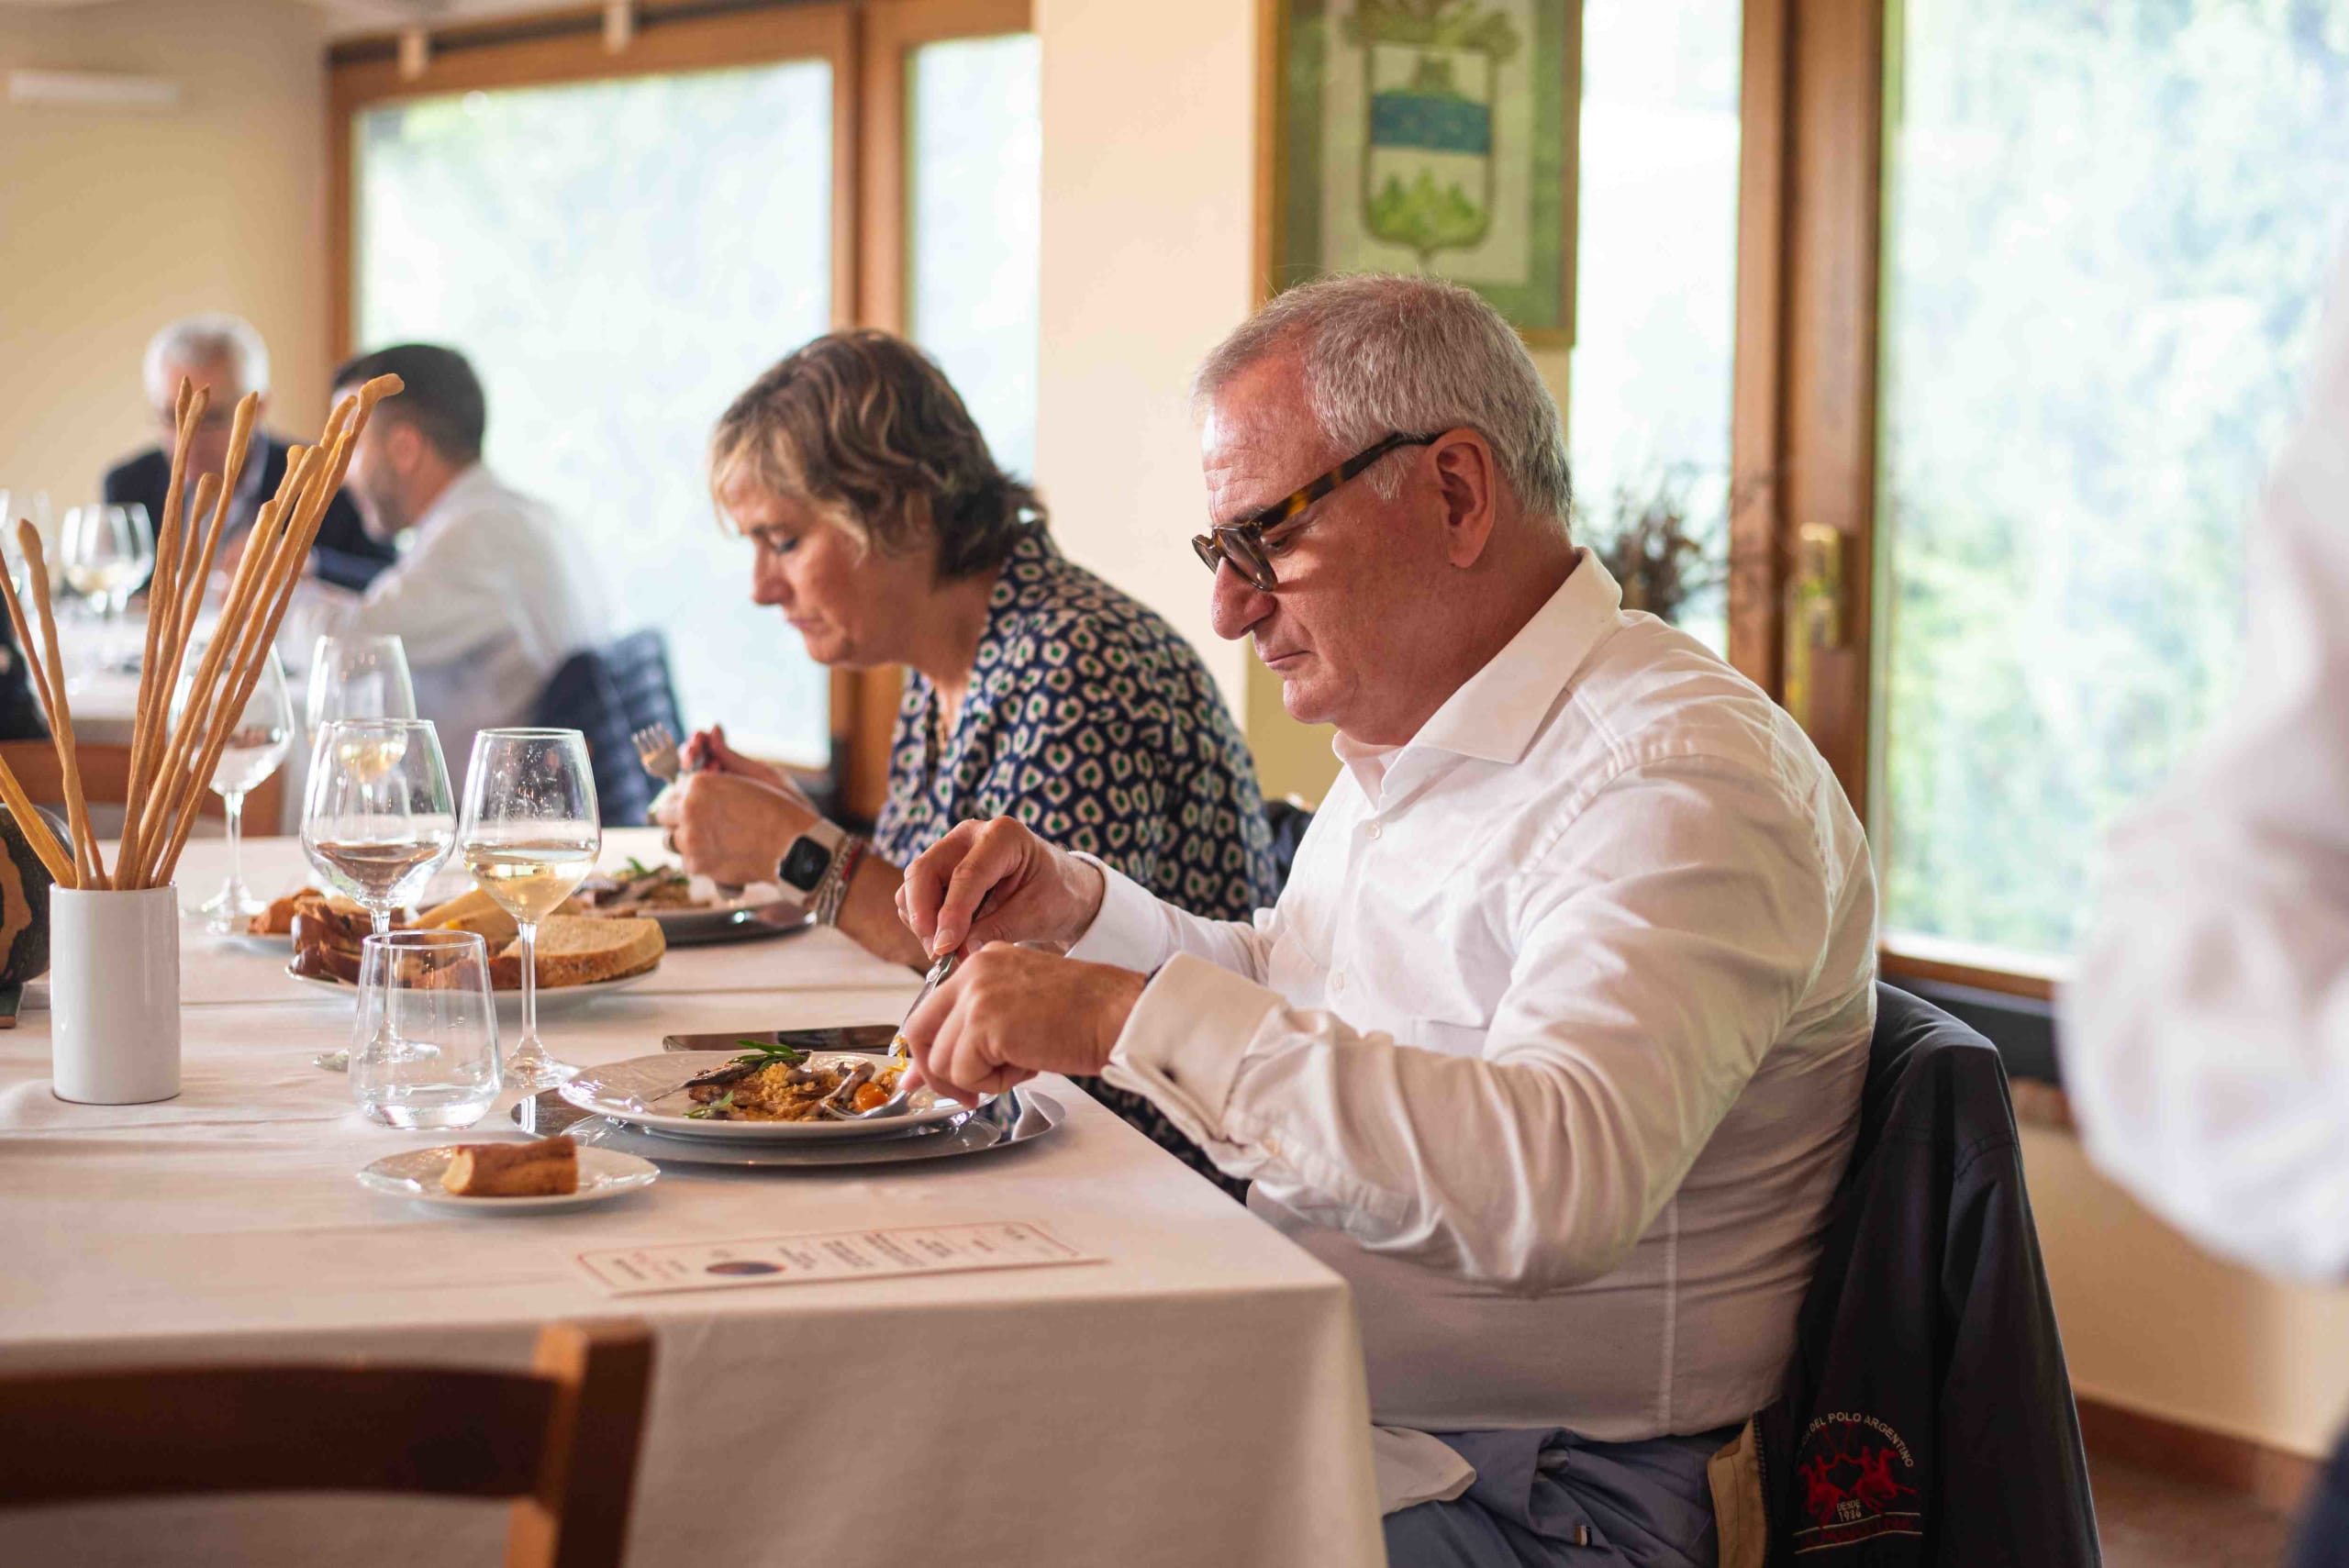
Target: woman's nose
768	585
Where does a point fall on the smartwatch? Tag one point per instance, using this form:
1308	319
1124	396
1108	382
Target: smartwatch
817	865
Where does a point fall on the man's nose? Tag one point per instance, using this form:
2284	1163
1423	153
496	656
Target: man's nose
1238	603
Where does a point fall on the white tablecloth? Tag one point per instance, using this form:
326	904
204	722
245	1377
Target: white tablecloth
1195	1399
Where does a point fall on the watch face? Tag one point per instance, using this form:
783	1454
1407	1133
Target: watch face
802	867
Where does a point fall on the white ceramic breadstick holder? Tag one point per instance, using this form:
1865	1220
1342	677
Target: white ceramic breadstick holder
114	995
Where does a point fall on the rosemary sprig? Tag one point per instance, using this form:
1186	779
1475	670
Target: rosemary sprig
723	1103
763	1052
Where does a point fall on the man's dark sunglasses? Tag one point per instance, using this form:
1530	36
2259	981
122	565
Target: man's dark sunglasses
1242	544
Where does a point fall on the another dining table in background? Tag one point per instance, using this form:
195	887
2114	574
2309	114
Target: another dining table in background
1196	1395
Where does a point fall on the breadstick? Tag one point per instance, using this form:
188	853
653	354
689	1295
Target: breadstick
293	549
172	783
38	832
37	676
152	717
90	867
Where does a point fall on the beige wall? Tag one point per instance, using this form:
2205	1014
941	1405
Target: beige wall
2155	1324
111	222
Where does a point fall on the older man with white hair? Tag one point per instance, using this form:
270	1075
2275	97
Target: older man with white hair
225	354
1552	1045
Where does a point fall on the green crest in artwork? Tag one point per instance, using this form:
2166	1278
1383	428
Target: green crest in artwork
1430	74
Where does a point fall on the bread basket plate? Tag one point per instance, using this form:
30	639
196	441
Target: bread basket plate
551	998
648	1092
603	1174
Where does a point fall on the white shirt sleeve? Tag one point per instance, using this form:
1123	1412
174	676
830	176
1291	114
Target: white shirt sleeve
1660	948
1135	930
2206	1039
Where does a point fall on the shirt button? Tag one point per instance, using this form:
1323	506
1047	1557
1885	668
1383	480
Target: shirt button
1375	830
1337	980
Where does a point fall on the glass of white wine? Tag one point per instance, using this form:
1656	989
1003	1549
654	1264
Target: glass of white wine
531	834
376	821
109	551
257	745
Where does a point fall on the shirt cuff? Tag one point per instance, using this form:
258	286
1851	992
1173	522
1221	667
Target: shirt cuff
1186	1040
1128	930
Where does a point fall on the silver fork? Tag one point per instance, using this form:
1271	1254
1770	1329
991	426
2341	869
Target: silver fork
897	1102
656	747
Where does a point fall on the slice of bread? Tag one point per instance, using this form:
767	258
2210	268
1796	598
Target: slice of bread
579	949
547	1168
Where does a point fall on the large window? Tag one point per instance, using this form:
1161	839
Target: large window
975	172
618	259
621	241
2105	230
1655	276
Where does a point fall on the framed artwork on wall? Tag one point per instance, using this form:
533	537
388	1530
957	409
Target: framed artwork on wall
1428	136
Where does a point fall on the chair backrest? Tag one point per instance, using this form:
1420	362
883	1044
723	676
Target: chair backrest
561	1440
639	666
583	696
1926	1346
106	781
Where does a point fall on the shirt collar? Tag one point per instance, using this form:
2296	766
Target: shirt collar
1496	713
457	497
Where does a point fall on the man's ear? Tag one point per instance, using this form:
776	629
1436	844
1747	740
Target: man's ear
403	445
1467	479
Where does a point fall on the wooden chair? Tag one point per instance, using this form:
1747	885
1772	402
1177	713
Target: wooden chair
561	1440
106	781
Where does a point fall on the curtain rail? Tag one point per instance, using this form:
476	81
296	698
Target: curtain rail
458	38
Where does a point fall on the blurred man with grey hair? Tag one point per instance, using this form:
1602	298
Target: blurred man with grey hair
225	354
1552	1045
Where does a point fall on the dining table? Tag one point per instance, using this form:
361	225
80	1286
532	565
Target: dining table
1192	1394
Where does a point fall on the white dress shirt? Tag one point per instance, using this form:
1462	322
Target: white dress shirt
489	596
1553	1043
2206	1038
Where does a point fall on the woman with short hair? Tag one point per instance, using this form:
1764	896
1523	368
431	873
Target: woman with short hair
886	534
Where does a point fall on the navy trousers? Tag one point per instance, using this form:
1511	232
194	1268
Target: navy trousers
1555	1499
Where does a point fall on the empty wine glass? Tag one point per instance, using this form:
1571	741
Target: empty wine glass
259	739
375	816
530	835
31	505
359	677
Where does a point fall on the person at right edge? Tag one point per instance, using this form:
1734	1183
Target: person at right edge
2206	1040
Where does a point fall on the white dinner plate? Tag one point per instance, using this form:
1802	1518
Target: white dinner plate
551	998
649	1092
603	1174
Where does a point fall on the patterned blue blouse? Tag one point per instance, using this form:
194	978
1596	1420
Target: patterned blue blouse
1090	719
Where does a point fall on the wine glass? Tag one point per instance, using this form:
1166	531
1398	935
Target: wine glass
530	835
258	741
33	506
359	677
108	553
375	816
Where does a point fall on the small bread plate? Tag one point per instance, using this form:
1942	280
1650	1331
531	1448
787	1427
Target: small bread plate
603	1174
649	1092
1021	1116
551	998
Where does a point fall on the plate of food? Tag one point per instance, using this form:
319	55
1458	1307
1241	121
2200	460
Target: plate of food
765	1093
509	1177
690	909
579	957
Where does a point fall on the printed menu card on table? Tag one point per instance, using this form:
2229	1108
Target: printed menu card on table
829	1255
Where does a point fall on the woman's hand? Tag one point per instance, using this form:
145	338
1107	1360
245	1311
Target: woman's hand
996	881
706	751
732	829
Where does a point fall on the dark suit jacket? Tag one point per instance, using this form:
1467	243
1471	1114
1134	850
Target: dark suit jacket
345	555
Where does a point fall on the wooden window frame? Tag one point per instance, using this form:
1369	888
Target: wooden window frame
867	46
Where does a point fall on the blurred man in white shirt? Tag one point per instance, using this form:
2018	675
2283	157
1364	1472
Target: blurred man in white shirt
490	593
1553	1043
2206	1039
